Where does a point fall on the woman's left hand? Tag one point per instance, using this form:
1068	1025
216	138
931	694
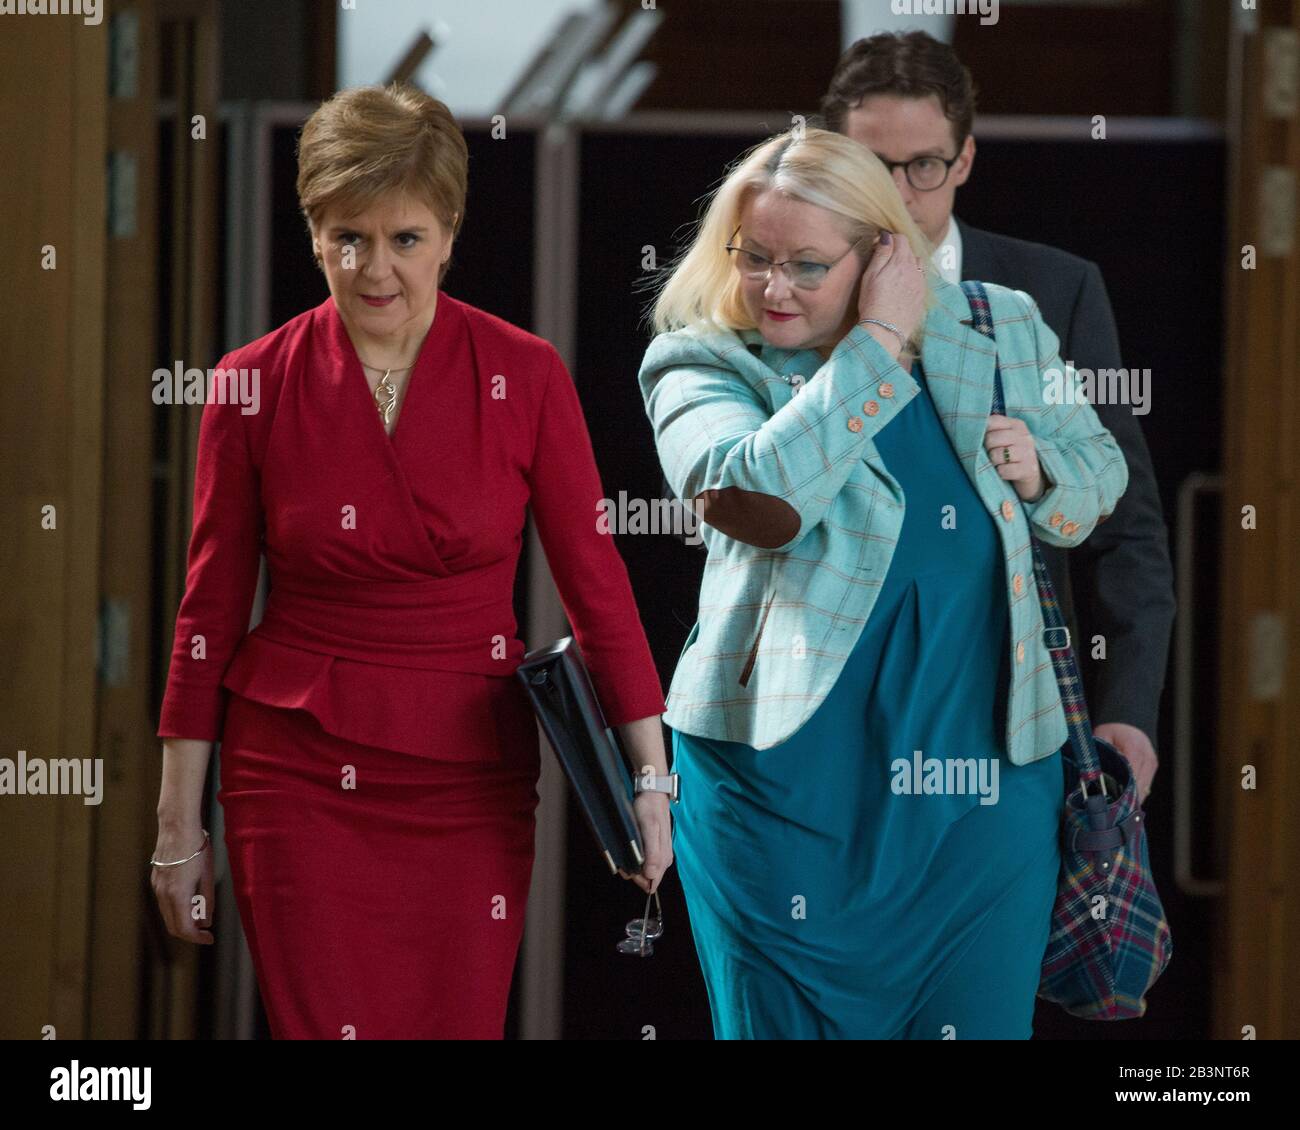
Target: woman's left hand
655	821
1011	449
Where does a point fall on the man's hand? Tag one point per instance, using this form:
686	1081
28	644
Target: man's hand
1137	750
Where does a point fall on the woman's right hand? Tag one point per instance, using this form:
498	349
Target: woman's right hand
893	287
175	888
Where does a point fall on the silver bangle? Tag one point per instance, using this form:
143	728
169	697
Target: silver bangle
893	329
178	862
670	784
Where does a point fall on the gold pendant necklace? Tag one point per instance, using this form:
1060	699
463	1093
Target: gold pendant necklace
385	397
385	393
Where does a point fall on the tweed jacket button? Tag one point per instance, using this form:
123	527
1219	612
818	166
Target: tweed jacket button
1020	653
1056	518
1017	583
1008	511
870	407
886	390
855	423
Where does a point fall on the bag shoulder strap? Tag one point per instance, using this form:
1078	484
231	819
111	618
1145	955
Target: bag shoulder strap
1056	636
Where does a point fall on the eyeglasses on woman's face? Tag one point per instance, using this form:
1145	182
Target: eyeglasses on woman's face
803	273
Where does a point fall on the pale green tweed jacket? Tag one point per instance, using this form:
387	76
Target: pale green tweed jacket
775	626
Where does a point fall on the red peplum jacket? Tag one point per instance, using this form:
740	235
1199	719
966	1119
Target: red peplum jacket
392	559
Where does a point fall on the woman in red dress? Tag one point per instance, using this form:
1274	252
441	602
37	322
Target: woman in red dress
379	760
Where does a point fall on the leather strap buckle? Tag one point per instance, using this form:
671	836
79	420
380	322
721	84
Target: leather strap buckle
1056	642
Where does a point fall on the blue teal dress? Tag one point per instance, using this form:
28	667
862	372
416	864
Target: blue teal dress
829	896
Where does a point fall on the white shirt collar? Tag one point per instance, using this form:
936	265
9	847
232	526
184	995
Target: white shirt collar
947	255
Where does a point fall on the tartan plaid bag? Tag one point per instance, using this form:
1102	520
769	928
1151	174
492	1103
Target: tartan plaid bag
1109	939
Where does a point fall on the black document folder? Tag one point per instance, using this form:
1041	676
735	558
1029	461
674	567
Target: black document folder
589	751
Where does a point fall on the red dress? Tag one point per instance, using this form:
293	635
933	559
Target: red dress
379	760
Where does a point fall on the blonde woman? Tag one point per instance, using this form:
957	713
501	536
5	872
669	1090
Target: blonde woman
864	716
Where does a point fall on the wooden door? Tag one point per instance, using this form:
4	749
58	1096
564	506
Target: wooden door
53	130
1258	784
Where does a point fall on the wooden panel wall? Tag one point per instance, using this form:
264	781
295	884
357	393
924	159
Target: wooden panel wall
123	910
52	134
85	950
1258	986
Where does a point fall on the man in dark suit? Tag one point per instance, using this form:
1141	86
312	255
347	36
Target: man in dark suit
909	99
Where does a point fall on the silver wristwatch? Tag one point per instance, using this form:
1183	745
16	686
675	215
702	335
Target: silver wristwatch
655	784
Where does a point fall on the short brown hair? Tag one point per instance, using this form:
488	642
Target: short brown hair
909	64
368	141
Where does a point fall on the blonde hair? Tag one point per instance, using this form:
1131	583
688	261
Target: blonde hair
818	166
369	141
